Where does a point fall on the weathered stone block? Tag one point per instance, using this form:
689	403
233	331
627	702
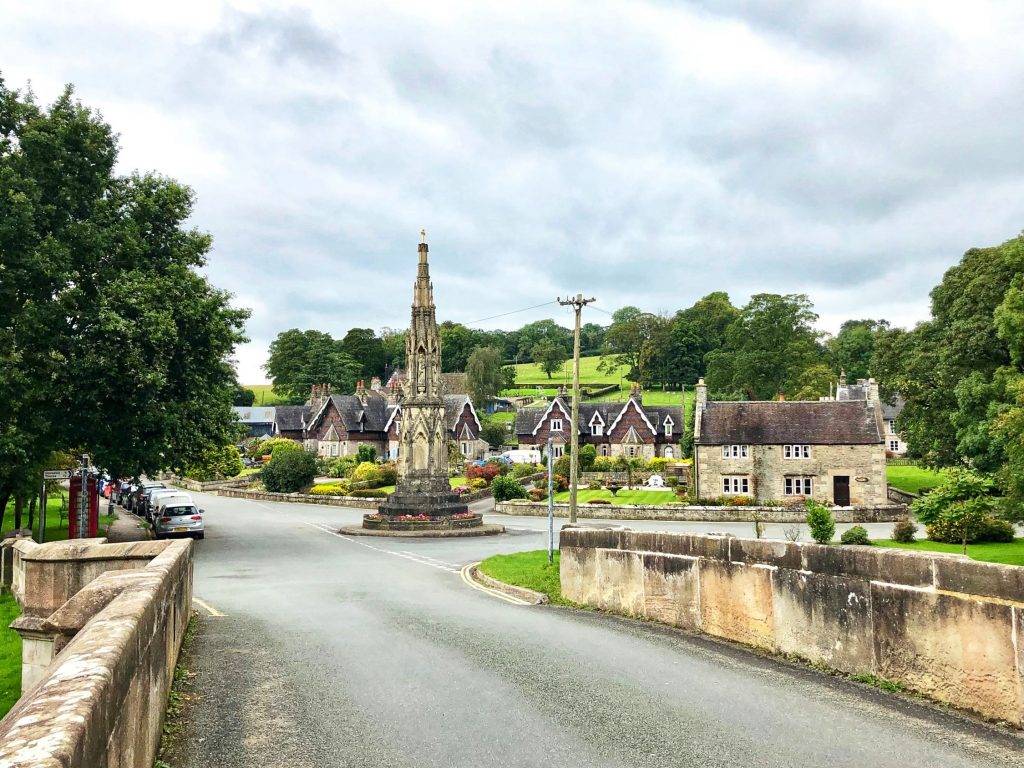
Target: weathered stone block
578	574
736	602
823	618
954	649
784	554
959	574
620	580
912	569
672	590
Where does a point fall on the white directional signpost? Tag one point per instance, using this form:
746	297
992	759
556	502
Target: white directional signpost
48	474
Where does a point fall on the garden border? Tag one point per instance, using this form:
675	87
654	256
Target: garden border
889	513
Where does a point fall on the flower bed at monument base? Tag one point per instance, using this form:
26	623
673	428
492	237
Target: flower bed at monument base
422	522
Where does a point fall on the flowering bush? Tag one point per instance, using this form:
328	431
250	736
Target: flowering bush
520	471
477	483
461	490
329	489
388	473
537	494
487	472
561	483
369	474
369	493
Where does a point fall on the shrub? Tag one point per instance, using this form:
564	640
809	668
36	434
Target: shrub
561	483
274	444
820	521
506	488
588	455
216	464
366	453
537	494
561	465
599	501
369	493
603	464
959	485
856	535
388	473
289	470
369	474
903	531
487	472
461	490
657	464
967	522
594	485
341	467
738	501
477	483
520	471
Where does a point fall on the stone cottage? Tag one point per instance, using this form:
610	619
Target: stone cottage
829	450
894	443
614	429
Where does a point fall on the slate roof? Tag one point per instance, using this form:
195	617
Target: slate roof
891	411
528	418
289	417
828	422
376	414
254	414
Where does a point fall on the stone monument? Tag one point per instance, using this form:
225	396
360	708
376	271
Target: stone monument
423	498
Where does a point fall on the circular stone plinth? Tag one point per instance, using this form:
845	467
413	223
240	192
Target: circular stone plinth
424	533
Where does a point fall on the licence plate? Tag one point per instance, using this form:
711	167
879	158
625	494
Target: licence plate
180	529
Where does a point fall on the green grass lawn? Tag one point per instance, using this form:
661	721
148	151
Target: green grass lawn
528	569
56	529
1009	554
530	373
622	497
529	392
502	417
911	478
10	654
265	394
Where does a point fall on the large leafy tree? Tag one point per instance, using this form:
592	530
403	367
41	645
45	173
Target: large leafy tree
695	332
957	371
853	347
484	374
636	340
549	355
111	342
767	348
299	359
363	346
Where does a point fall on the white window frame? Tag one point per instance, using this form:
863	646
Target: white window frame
894	445
736	485
735	451
669	452
798	485
891	426
556	425
796	451
604	449
668	424
557	450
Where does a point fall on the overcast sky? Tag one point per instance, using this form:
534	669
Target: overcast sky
644	153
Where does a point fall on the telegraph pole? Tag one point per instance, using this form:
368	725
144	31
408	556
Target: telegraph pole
577	303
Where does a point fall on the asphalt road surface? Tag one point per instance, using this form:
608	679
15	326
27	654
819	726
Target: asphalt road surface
321	650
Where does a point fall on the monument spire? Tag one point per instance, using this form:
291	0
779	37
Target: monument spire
423	290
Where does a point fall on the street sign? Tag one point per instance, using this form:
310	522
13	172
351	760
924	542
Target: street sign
56	474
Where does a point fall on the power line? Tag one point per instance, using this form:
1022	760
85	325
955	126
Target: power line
513	312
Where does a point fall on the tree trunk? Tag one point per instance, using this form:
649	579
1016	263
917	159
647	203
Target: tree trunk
5	497
19	507
32	510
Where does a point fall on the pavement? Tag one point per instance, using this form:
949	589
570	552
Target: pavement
127	527
316	649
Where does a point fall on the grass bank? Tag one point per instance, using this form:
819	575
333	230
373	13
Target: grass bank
990	552
530	570
911	478
10	654
622	497
56	527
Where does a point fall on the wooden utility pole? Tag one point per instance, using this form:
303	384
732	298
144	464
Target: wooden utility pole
577	303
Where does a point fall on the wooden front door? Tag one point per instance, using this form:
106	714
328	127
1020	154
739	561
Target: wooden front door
841	490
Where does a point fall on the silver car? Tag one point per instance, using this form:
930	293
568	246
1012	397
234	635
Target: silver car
178	516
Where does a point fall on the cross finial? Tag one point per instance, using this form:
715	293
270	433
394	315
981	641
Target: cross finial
423	236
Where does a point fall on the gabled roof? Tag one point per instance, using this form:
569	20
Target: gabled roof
639	409
453	407
356	416
528	420
290	417
891	411
827	422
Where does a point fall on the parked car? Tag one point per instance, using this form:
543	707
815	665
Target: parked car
522	456
178	516
154	500
141	505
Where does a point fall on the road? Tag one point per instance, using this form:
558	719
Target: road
333	651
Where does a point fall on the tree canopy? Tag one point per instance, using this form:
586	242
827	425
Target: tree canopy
111	341
300	359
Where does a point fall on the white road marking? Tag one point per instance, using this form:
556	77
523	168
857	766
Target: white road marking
405	555
207	607
464	573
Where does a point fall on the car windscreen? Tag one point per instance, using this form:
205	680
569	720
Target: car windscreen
178	511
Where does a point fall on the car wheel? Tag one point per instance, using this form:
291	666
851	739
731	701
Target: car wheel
200	535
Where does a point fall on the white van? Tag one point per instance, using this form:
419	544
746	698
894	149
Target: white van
522	457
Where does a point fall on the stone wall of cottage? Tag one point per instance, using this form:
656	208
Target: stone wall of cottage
767	469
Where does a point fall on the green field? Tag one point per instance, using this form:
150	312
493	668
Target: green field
912	479
528	569
265	394
10	654
1009	554
501	417
530	373
622	497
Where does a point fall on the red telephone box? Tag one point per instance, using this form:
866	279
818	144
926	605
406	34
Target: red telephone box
92	529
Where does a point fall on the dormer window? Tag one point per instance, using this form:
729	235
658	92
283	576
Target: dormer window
597	425
556	425
668	426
